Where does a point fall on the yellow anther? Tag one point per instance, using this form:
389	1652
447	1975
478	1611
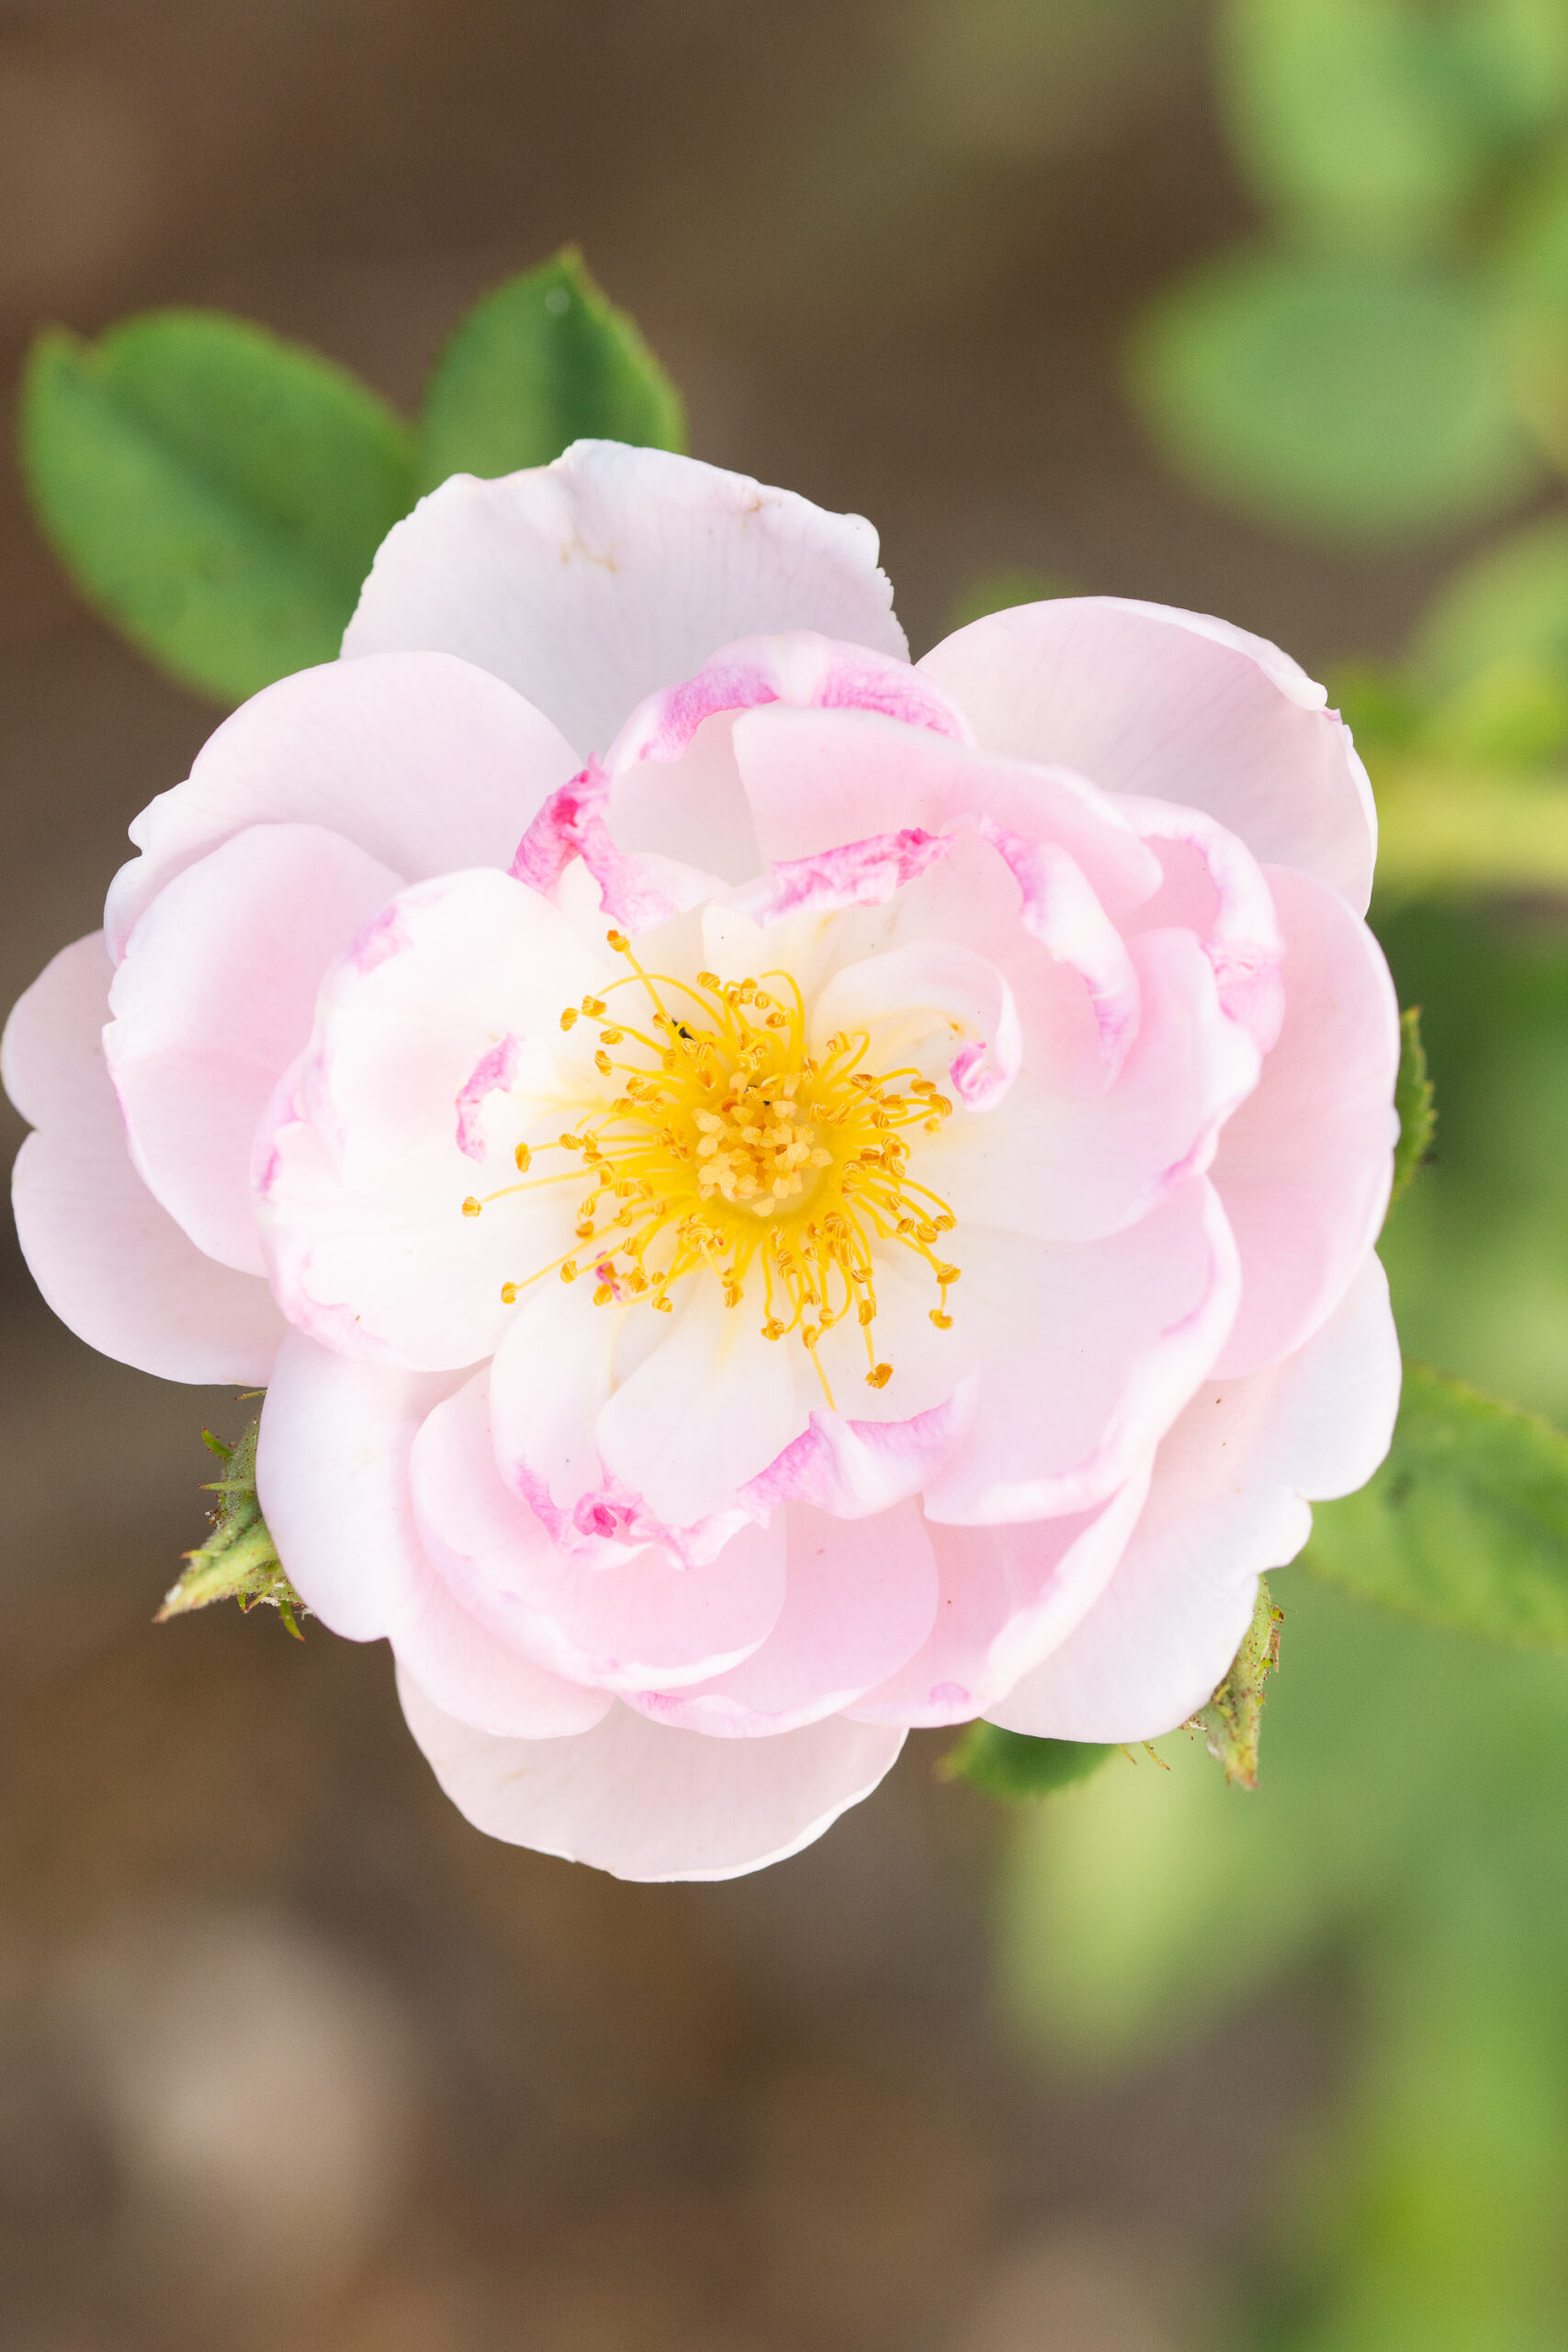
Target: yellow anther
709	980
568	1271
602	1063
471	1206
603	1294
944	1321
879	1376
569	1017
611	1036
664	1305
524	1157
509	1294
946	1274
596	1006
618	940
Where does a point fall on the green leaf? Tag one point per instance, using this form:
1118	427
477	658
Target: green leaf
239	1562
1010	1764
1416	1103
1466	1525
219	494
1348	402
1510	604
1345	119
1232	1720
542	362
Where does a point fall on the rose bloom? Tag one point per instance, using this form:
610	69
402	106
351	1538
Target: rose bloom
777	1195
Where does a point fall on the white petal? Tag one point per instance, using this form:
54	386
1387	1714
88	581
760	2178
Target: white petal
591	583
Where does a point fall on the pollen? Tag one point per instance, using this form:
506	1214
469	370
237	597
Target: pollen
719	1143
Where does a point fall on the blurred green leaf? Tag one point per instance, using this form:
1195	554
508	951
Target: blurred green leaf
1466	1524
1347	401
1010	1764
544	361
1510	602
1344	117
217	493
1414	1102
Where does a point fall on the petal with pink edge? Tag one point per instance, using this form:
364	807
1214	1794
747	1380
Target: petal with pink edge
1176	706
427	763
111	1262
1305	1165
1090	1353
213	999
591	583
1228	1502
616	1614
647	1802
862	1596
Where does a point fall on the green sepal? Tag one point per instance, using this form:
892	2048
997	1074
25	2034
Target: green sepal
217	493
1416	1103
239	1561
1232	1720
1466	1523
1010	1764
544	361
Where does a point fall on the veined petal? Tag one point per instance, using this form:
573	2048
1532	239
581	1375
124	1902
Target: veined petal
647	1802
1228	1502
108	1258
455	762
591	583
1177	707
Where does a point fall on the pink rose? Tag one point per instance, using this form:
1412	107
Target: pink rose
853	1208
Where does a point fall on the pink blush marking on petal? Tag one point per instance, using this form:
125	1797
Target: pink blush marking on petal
853	1468
1063	911
860	873
384	936
977	1079
492	1074
573	824
607	1523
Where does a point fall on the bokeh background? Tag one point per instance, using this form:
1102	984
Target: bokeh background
291	2059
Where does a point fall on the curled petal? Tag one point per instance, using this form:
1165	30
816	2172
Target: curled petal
1228	1502
109	1259
647	1802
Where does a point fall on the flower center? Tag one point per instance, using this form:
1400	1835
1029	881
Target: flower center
728	1146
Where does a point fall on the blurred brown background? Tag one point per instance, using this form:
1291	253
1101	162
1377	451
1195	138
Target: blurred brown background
289	2056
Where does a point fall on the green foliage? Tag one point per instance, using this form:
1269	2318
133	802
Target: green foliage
1414	1102
1232	1720
217	493
239	1561
1337	398
1009	1764
542	362
1466	1524
997	592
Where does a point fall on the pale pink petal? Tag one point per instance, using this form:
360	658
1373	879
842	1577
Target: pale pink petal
646	1803
852	1468
1008	1595
861	1600
213	999
1089	1354
471	1673
637	891
110	1261
591	583
1178	706
935	1008
857	873
712	1405
1066	1157
1228	1502
815	778
425	763
332	1477
1304	1167
618	1619
368	1158
1214	887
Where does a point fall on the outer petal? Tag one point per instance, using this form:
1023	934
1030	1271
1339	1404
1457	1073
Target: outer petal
647	1803
427	763
1179	706
590	583
211	1002
1304	1167
861	1600
110	1261
1088	1355
1228	1502
333	1466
